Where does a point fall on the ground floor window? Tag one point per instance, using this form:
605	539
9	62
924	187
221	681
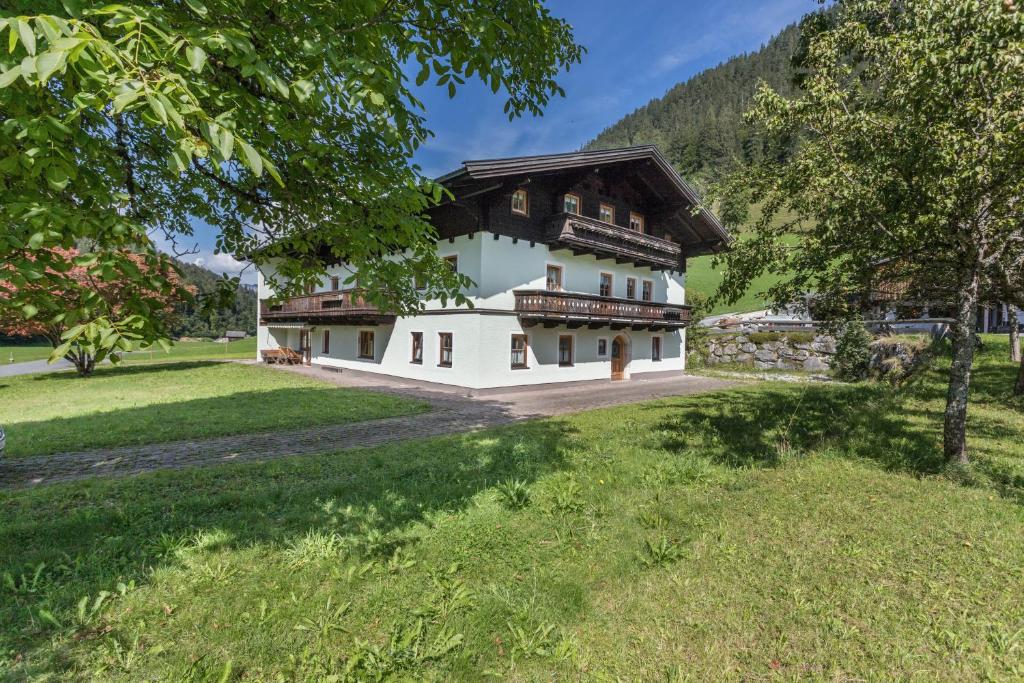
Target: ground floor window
565	350
366	344
602	347
445	339
327	342
417	348
655	348
519	347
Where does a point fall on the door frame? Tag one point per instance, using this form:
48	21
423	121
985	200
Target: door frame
306	346
624	348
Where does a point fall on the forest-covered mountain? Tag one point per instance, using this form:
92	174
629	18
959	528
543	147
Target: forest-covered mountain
698	124
193	321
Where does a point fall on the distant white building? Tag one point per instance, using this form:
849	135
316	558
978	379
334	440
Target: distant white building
579	265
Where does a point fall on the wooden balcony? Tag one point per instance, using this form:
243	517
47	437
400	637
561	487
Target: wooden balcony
577	310
585	235
326	308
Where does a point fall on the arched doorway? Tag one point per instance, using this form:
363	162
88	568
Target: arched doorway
620	357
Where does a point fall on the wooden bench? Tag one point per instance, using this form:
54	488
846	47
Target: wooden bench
291	357
272	356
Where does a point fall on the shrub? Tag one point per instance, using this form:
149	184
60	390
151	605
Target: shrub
852	361
792	337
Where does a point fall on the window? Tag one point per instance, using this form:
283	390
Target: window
554	279
630	287
417	348
445	358
656	348
572	204
565	351
310	287
520	203
605	288
453	262
636	221
602	347
648	291
419	282
327	342
366	344
335	283
519	347
607	213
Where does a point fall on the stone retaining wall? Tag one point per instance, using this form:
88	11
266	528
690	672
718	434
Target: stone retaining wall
799	353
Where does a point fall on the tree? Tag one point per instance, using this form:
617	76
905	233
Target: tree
911	145
286	126
71	293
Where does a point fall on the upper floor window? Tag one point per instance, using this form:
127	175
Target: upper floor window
636	221
519	346
335	283
565	350
630	287
554	279
572	204
417	348
648	290
366	344
520	203
605	288
607	213
453	262
446	347
310	287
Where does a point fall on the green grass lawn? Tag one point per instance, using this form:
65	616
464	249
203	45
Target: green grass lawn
150	403
193	350
766	533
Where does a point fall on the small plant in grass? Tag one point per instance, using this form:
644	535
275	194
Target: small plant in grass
526	643
651	518
314	546
852	361
660	552
567	497
515	493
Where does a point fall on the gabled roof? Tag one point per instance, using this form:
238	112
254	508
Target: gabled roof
483	169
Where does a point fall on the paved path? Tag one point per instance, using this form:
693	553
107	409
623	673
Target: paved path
452	412
32	366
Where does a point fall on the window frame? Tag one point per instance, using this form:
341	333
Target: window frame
657	350
639	218
579	204
526	352
604	341
441	349
373	345
611	210
526	202
647	290
631	281
452	259
325	345
611	283
335	283
572	351
561	277
413	336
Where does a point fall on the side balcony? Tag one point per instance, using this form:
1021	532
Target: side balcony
585	235
548	308
327	308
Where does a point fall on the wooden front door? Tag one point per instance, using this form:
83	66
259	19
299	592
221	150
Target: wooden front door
305	348
618	358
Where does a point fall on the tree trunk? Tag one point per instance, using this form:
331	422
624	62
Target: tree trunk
954	433
84	362
1014	335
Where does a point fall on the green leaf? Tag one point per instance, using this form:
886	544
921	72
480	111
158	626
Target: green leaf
60	351
252	157
423	75
197	7
303	89
57	178
36	240
377	98
27	35
157	108
124	99
48	63
10	76
196	57
29	311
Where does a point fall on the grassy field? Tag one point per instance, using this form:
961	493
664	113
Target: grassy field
770	532
201	350
150	403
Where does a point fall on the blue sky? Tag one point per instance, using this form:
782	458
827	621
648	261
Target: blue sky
637	49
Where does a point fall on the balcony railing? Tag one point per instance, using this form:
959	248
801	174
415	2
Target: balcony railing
576	310
589	235
337	307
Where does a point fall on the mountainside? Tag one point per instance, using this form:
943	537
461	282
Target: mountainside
698	124
194	322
